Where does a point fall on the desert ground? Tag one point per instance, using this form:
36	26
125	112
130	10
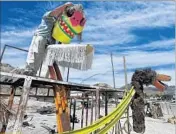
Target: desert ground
37	120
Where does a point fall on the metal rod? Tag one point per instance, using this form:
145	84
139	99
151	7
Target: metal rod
97	111
106	103
48	92
70	106
17	48
3	52
87	107
74	116
125	72
126	85
91	119
68	72
5	46
82	114
113	71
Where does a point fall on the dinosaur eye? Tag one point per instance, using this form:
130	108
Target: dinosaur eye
70	11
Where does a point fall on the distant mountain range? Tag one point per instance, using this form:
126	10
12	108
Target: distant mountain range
154	90
8	68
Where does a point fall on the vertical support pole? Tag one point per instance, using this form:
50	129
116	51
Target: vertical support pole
2	53
91	119
97	111
61	102
87	110
36	91
11	98
22	106
126	85
106	103
10	103
125	72
68	72
48	92
82	114
74	111
70	105
113	71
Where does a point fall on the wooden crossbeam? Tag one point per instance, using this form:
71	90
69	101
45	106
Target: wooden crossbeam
47	81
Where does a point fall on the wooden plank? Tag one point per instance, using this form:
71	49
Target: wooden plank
63	91
62	115
58	82
22	106
56	100
10	103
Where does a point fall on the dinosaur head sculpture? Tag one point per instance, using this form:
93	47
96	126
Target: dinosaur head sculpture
144	77
150	77
70	23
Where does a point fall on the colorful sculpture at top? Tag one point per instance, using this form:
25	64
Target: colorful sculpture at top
71	23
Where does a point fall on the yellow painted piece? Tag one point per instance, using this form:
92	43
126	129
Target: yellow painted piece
109	120
59	35
59	109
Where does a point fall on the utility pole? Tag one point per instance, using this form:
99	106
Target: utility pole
126	86
113	75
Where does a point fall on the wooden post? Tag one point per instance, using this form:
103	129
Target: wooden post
10	103
70	105
106	103
74	111
113	71
36	92
97	110
22	106
126	85
87	111
91	119
48	92
82	114
61	102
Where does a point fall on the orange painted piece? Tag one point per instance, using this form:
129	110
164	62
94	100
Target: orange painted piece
158	85
162	77
62	112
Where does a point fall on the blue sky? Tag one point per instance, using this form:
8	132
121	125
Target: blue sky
142	31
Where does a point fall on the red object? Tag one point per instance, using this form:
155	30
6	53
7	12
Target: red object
76	18
158	85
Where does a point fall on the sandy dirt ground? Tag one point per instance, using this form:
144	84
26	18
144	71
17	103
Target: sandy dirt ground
36	120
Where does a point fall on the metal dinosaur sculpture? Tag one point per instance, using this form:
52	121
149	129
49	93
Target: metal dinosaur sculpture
140	78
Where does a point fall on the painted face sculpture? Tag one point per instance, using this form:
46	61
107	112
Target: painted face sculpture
70	24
